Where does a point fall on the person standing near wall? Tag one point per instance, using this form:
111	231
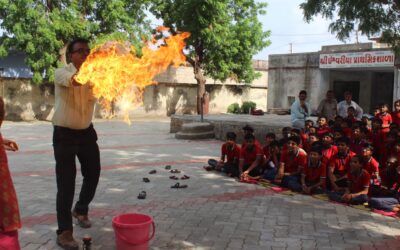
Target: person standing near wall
300	110
10	220
328	106
346	103
74	136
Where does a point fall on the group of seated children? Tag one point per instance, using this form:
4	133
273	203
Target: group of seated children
353	161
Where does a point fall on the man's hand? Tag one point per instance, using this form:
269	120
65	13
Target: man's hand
346	197
10	145
306	189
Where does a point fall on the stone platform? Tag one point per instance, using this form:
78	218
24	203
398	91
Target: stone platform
224	123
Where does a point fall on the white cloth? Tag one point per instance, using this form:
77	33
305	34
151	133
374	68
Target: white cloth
74	105
298	115
343	106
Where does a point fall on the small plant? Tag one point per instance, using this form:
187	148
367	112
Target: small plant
247	107
234	108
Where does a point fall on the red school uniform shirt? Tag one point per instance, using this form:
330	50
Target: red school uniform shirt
347	132
328	153
266	152
357	146
371	166
293	161
390	178
314	174
341	165
396	118
256	142
386	120
323	130
250	157
230	154
360	182
378	141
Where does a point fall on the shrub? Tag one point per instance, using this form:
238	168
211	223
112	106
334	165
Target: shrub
247	106
234	108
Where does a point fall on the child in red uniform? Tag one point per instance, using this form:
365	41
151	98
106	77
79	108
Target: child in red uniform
9	212
270	137
339	165
358	184
357	142
328	149
351	114
291	163
230	152
389	178
377	137
323	127
385	117
304	134
251	159
371	165
396	113
312	138
313	176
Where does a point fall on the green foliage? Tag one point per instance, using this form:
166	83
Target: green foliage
42	28
247	106
234	108
373	18
225	34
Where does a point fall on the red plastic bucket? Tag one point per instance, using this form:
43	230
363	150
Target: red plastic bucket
9	241
132	231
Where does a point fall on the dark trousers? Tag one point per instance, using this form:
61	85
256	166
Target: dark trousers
358	200
68	144
385	204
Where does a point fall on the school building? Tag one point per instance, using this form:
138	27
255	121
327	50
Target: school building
368	70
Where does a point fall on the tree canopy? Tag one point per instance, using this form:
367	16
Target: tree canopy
374	18
41	28
225	34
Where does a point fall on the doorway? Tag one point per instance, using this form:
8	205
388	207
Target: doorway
382	89
339	87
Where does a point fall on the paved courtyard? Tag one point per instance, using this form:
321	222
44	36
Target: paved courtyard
214	212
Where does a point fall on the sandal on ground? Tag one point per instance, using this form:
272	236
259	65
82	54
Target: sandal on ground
142	195
168	167
175	171
173	177
177	185
153	171
185	177
146	179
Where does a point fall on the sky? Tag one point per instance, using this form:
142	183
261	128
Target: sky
284	19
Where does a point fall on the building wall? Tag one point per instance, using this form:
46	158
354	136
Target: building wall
290	73
174	94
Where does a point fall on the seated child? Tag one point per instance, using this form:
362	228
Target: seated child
356	192
389	178
370	164
270	137
251	159
386	118
304	134
248	130
390	202
323	127
9	212
328	149
230	152
351	114
272	161
312	138
339	165
313	176
291	163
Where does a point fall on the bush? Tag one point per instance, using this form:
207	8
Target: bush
247	106
234	108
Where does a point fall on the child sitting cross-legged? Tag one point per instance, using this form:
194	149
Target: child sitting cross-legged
388	197
356	192
230	153
313	176
251	159
291	163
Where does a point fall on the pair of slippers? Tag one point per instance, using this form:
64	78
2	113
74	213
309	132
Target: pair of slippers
184	177
178	185
142	195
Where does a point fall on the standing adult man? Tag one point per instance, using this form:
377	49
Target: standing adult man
300	110
74	136
346	103
328	106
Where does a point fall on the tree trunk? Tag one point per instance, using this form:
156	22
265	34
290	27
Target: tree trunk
201	87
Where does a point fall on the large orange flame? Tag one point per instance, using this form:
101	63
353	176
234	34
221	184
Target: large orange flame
118	75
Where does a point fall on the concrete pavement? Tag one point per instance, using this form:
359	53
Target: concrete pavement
214	212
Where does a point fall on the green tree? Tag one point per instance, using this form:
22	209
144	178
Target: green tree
41	28
371	17
225	34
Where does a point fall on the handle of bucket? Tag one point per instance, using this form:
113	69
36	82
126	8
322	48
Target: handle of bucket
143	241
